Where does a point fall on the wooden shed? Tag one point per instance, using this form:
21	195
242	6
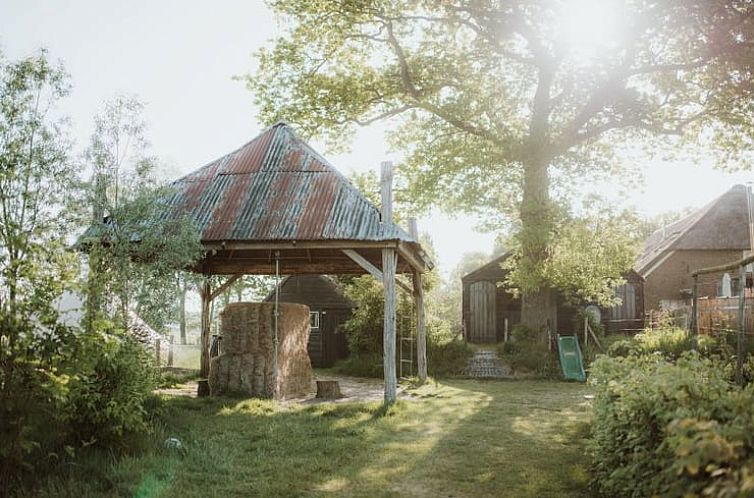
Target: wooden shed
328	309
489	309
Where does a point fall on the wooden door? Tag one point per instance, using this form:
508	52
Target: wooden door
482	312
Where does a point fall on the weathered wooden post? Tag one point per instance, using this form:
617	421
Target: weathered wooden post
586	330
170	351
205	292
695	312
505	330
741	325
389	261
157	347
421	330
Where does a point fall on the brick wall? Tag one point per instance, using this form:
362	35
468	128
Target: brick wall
674	274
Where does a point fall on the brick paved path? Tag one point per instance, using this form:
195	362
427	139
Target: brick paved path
486	365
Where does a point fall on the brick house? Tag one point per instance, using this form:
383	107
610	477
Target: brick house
714	235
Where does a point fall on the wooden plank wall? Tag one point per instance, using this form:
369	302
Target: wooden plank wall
482	312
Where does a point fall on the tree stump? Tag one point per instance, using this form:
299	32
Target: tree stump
328	389
202	388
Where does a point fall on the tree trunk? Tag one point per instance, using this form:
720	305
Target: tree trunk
538	310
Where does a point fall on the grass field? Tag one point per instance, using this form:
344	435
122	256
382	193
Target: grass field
459	439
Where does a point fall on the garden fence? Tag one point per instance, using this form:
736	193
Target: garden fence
722	307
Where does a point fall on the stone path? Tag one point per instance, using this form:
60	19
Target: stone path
485	364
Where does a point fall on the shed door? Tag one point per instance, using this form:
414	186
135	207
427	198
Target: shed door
482	312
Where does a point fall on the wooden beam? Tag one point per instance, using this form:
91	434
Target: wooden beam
298	244
205	292
389	259
364	263
421	330
373	270
225	285
389	263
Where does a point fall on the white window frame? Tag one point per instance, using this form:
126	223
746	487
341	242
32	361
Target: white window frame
314	320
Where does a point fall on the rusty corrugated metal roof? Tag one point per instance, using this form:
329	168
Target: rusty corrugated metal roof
277	188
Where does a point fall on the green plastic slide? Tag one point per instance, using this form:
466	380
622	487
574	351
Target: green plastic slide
570	358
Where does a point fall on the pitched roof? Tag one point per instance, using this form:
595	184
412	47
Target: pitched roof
489	270
722	224
277	188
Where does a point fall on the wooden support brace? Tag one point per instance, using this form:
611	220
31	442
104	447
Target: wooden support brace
373	270
225	286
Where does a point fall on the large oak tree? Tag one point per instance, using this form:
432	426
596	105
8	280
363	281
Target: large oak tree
496	99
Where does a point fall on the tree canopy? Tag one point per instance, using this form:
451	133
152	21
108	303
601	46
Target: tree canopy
496	103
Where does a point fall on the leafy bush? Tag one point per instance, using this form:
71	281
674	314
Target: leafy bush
527	354
670	429
447	355
369	365
108	399
33	391
670	342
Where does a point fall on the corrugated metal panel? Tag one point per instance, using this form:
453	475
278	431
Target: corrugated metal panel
276	187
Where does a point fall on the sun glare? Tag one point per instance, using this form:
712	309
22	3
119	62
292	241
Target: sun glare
587	26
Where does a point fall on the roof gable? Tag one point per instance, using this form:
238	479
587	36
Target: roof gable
720	225
277	188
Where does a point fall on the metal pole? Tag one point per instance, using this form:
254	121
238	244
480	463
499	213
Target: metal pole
275	316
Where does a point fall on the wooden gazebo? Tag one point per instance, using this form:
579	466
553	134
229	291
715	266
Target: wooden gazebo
275	206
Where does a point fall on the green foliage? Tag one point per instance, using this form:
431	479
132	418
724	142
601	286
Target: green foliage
35	267
588	256
499	111
668	342
367	365
109	397
670	429
527	354
447	353
134	255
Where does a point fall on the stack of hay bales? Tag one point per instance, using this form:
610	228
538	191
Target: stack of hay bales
246	365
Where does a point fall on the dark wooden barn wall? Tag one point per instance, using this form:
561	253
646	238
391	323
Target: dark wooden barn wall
508	307
327	344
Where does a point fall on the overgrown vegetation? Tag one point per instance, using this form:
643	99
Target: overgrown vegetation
64	385
526	354
671	429
670	421
447	353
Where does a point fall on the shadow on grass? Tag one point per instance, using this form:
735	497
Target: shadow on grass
465	438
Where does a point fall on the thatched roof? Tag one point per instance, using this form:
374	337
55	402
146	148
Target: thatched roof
723	224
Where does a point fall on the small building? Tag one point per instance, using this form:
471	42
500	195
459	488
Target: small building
489	309
714	235
328	308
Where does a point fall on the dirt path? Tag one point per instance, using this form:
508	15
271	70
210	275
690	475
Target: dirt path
354	389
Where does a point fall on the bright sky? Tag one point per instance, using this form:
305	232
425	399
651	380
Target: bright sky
180	57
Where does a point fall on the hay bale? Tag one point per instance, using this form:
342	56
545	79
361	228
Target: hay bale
246	365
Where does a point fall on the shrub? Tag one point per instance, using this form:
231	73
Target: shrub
670	429
526	353
109	398
670	342
369	365
447	355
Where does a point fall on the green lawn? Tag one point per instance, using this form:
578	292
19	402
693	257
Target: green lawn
459	439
